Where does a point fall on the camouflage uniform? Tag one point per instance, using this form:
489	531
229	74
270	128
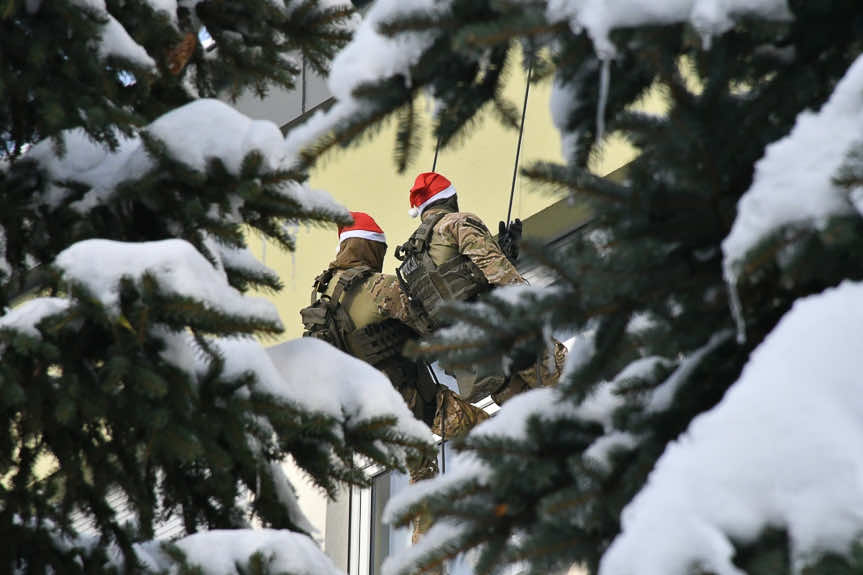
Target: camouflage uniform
388	297
464	233
379	298
368	315
392	302
457	415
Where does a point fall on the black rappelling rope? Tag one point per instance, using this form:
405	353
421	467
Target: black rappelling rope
518	146
508	216
443	436
431	369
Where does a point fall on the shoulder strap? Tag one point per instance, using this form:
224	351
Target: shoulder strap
348	279
424	232
321	283
420	239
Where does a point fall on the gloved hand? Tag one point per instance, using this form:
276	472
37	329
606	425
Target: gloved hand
509	238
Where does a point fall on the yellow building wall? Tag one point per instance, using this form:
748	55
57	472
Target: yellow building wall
364	178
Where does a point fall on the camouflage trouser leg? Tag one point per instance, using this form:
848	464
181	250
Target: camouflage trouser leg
415	385
421	524
543	373
473	386
422	468
454	416
458	417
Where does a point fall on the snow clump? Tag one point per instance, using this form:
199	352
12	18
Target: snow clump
793	182
325	379
193	134
25	317
221	551
708	17
115	40
782	450
369	57
178	267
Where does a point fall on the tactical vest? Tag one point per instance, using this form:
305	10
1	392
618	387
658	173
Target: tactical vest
327	319
429	285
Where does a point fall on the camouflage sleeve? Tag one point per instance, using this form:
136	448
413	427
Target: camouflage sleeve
390	299
476	242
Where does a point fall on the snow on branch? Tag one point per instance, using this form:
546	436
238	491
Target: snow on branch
25	317
370	57
469	471
316	379
5	268
544	403
662	397
169	7
708	17
441	534
115	40
312	200
466	468
511	422
178	267
208	128
223	551
88	162
193	135
794	181
241	260
781	450
315	374
287	497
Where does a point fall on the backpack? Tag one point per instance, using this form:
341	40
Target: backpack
327	319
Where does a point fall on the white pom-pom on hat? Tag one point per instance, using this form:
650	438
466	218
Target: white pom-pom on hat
413	212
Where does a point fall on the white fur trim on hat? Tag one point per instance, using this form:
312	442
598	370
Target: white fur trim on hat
365	234
441	195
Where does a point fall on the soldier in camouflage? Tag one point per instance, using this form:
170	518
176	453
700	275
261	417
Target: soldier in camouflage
452	255
365	313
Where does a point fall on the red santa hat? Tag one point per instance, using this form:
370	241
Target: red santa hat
429	187
364	226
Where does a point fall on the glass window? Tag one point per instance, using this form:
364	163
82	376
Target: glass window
284	106
385	538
